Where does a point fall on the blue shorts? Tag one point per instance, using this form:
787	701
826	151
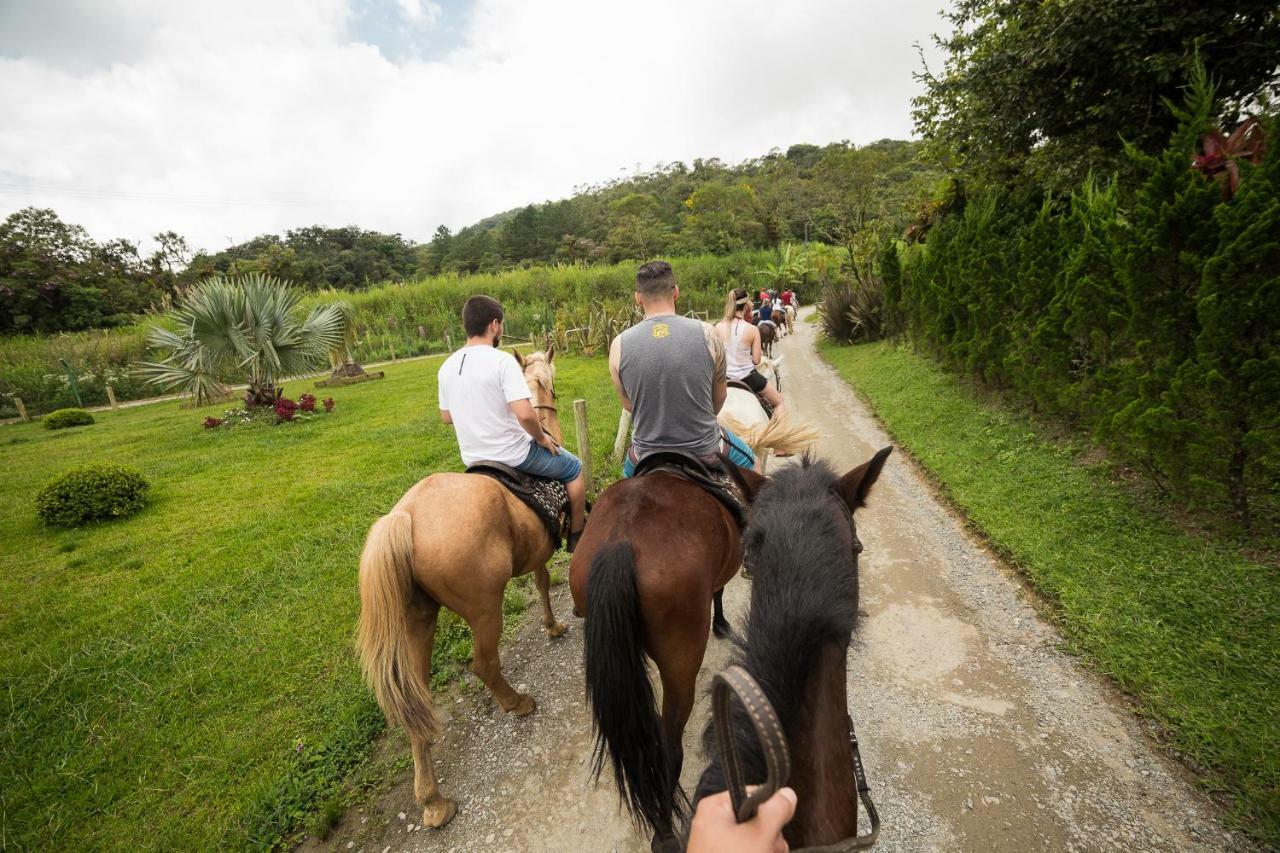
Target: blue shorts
739	454
540	462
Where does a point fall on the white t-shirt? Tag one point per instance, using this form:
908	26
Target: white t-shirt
476	384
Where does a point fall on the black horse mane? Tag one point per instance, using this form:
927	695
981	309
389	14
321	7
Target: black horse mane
804	595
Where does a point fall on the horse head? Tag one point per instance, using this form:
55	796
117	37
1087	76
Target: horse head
540	375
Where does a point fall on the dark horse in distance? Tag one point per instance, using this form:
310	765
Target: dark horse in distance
802	550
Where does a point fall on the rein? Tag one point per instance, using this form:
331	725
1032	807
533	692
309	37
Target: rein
736	681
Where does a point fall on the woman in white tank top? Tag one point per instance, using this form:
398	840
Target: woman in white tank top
742	347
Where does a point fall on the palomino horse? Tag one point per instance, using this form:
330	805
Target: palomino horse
646	575
453	540
802	549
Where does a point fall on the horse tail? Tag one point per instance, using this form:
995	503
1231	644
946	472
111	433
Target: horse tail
386	588
782	434
623	708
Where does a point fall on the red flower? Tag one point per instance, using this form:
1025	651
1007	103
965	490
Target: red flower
285	409
328	404
211	422
307	402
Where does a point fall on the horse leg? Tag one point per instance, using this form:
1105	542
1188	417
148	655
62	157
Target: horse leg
719	625
542	580
436	809
679	686
486	630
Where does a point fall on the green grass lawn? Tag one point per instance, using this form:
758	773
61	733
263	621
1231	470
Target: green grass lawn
185	679
1189	626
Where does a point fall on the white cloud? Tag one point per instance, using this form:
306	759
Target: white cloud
421	12
236	118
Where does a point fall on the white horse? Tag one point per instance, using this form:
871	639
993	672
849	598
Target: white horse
745	417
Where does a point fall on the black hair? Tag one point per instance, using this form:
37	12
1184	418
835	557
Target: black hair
478	313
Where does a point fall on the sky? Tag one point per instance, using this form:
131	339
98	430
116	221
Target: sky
224	120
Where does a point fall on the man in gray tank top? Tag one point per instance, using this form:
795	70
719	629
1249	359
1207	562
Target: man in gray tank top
669	372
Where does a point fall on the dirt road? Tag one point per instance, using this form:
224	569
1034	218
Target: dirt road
978	732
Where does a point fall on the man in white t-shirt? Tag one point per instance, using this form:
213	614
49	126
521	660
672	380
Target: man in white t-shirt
484	395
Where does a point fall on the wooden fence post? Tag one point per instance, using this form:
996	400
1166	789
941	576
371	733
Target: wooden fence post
624	426
584	439
111	395
22	409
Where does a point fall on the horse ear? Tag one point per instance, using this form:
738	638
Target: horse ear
855	485
519	357
551	352
746	478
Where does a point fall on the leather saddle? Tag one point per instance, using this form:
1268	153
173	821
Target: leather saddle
764	404
716	478
549	499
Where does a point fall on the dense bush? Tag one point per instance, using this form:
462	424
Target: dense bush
91	493
851	310
63	418
1147	315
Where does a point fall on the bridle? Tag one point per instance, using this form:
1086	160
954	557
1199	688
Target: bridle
736	681
540	408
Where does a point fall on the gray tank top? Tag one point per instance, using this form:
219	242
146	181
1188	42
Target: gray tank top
667	373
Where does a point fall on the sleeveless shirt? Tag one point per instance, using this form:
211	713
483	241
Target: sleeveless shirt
668	375
737	354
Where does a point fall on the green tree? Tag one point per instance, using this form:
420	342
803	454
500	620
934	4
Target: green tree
242	329
1050	90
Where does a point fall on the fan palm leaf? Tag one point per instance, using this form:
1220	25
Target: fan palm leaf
242	329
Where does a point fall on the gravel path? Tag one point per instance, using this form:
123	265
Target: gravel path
978	732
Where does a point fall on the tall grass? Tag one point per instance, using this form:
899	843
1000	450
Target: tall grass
394	320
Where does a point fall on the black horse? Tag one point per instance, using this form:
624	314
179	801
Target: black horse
802	550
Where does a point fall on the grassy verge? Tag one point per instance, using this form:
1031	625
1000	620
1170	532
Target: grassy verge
185	679
1189	626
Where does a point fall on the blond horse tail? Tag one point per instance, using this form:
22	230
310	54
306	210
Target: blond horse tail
780	434
386	587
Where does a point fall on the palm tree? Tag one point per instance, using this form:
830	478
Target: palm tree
242	329
789	271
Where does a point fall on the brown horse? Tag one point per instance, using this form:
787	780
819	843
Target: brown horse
646	575
802	548
415	560
768	334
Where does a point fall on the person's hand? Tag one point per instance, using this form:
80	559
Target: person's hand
714	828
548	444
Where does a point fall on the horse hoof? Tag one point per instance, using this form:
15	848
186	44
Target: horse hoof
556	629
438	813
524	705
721	631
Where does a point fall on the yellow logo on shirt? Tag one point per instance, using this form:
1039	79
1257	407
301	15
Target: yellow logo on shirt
661	330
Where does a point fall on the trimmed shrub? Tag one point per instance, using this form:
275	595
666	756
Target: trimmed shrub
64	418
91	493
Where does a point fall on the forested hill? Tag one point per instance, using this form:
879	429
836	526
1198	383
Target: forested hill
816	192
54	277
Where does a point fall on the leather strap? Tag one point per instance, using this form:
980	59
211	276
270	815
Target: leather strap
736	681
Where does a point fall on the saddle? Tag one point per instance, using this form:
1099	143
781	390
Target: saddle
717	480
764	404
549	499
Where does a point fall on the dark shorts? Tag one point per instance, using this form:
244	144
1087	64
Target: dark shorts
755	381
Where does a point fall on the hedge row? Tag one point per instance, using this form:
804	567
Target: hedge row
1147	310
